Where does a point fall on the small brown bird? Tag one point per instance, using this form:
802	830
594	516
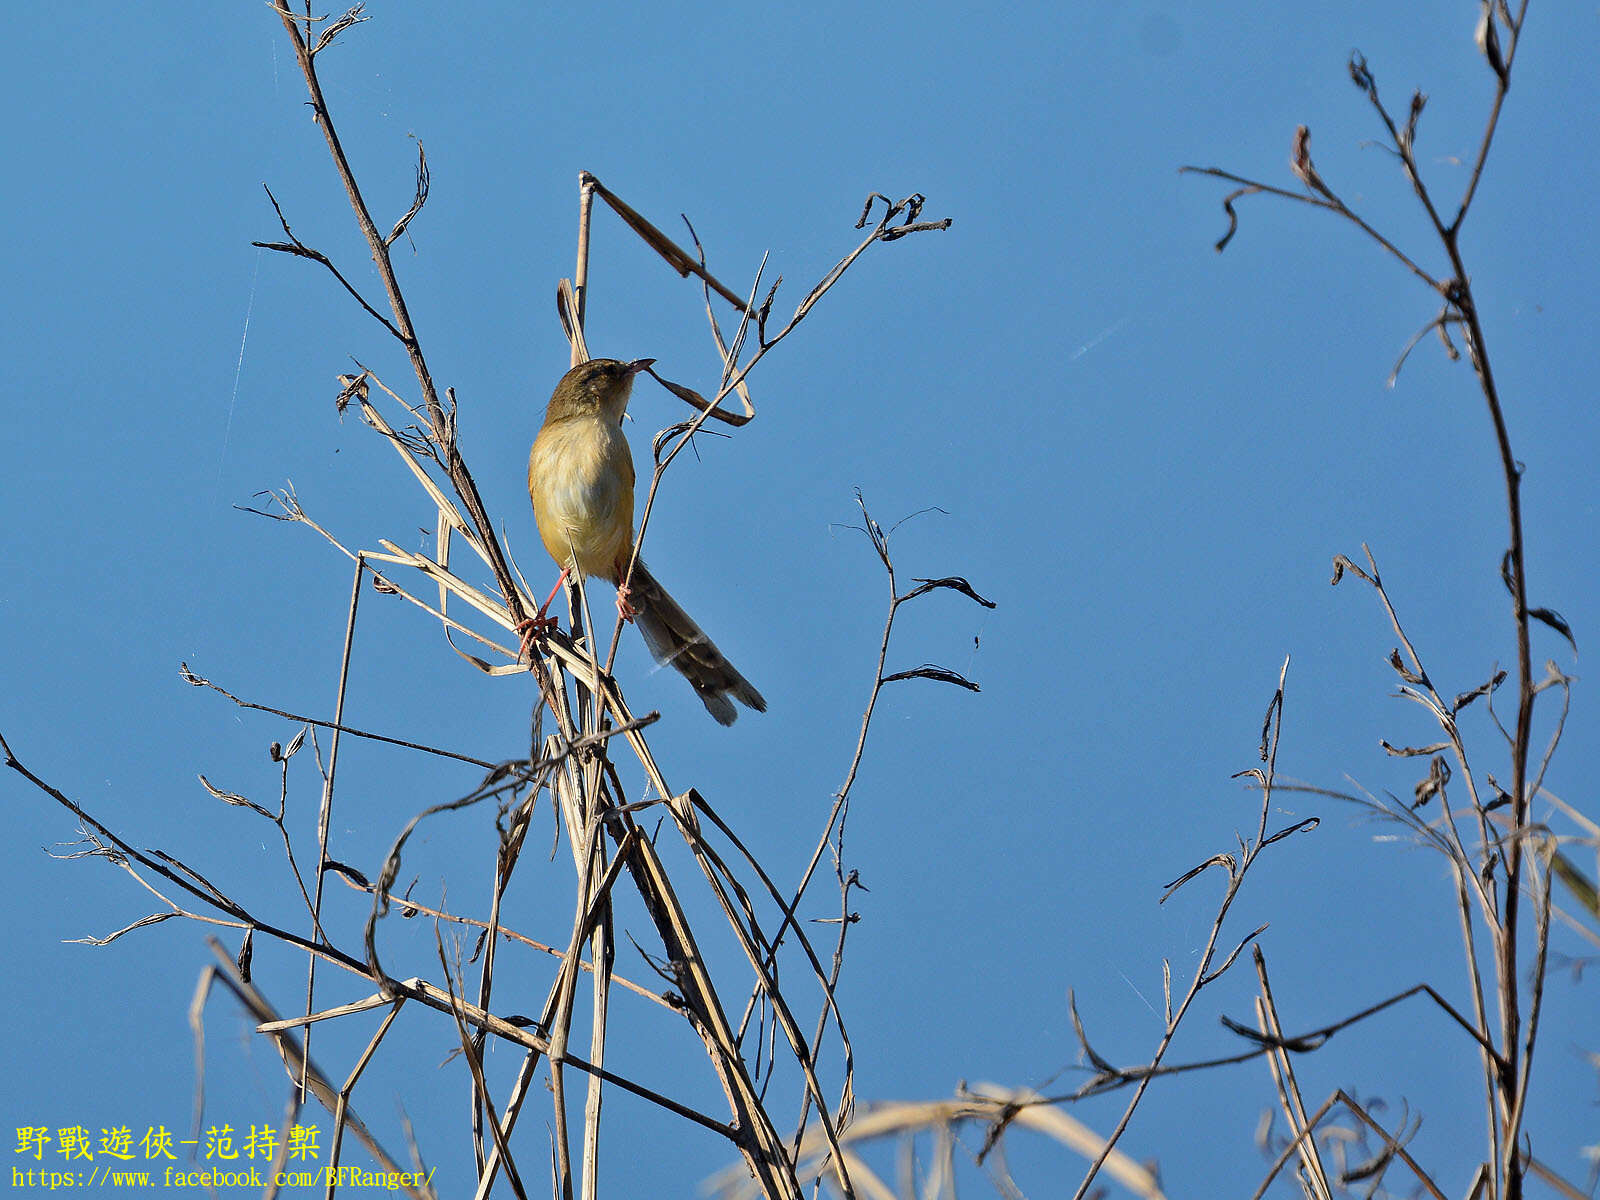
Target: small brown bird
580	479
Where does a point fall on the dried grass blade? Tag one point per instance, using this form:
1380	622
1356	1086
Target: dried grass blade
677	258
489	607
566	308
446	506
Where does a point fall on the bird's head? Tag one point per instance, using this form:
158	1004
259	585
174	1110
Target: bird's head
600	386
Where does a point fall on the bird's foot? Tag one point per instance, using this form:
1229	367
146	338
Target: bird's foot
531	629
625	608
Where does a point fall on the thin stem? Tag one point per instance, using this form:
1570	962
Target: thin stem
325	810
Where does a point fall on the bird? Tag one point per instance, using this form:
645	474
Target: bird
580	479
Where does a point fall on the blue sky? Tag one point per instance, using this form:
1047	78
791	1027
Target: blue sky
1146	453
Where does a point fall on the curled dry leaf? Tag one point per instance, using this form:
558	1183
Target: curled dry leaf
930	671
953	582
1550	617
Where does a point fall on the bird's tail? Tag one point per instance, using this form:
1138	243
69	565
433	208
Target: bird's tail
675	639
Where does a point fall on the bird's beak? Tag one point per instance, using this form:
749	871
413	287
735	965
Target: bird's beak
638	365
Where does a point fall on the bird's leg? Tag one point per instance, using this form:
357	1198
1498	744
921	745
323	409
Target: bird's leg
531	628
